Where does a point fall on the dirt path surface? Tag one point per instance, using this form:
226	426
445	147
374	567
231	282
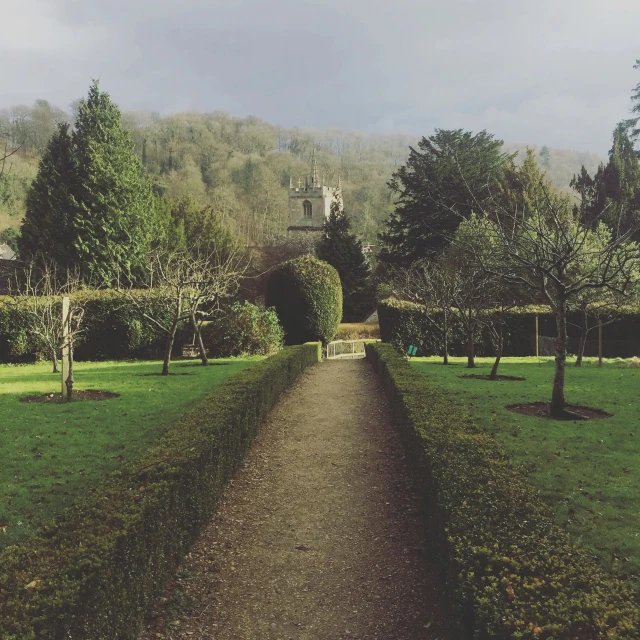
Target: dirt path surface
320	536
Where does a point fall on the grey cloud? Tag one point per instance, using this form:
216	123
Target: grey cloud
538	71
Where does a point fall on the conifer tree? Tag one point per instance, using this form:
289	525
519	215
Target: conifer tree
48	227
91	207
115	219
343	251
451	174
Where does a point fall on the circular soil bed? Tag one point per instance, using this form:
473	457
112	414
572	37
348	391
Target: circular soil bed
477	376
572	411
56	398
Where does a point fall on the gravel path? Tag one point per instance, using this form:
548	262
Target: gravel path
320	535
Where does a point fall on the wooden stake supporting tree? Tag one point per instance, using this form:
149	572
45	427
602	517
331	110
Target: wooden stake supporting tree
66	350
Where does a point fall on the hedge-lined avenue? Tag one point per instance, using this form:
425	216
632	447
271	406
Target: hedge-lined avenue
94	573
511	571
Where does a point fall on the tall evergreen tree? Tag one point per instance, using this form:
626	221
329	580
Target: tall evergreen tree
115	221
613	194
451	174
343	251
635	109
91	199
545	157
48	227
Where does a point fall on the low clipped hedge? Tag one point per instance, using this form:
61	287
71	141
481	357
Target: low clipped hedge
511	572
93	574
113	328
307	296
402	324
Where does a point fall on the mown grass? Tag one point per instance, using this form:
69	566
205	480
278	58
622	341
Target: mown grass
51	454
587	471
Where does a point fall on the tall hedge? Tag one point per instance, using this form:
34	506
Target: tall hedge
511	572
402	324
92	574
307	296
113	328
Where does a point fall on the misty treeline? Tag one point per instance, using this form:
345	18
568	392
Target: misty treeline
240	166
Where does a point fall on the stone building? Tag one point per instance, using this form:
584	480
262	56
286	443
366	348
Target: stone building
310	204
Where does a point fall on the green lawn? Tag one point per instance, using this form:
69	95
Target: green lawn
52	453
588	471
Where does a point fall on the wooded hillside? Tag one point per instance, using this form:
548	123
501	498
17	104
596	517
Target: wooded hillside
242	166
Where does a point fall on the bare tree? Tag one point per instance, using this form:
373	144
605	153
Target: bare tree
5	156
471	298
552	254
433	286
37	295
180	285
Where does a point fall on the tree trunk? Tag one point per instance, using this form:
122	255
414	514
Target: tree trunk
198	336
470	351
54	359
171	337
169	348
445	340
557	397
583	339
499	347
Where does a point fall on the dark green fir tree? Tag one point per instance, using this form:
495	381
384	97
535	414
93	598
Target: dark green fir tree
48	230
343	251
91	208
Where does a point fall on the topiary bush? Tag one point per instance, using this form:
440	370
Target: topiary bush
244	330
307	296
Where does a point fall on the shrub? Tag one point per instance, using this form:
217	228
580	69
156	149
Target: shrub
244	330
511	572
94	573
307	296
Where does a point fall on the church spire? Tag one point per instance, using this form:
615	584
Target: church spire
315	181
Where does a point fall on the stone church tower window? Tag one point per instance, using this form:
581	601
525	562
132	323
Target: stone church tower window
310	205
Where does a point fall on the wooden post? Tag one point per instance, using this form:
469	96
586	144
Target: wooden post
65	346
537	340
599	341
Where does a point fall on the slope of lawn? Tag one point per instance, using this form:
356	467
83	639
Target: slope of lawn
587	471
52	453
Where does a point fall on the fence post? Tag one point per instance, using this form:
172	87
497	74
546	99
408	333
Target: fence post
537	339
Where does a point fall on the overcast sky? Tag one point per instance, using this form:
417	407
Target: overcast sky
555	72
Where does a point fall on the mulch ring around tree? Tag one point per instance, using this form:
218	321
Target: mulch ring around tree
571	412
85	394
478	376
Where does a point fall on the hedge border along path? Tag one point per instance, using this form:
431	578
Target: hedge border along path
92	575
512	573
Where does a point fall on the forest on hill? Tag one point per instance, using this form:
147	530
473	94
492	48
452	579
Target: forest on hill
242	166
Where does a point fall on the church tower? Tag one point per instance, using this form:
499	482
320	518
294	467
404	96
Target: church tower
310	204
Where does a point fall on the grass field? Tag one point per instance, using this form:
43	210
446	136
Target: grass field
588	471
52	453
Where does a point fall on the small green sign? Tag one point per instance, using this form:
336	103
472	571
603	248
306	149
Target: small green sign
412	350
